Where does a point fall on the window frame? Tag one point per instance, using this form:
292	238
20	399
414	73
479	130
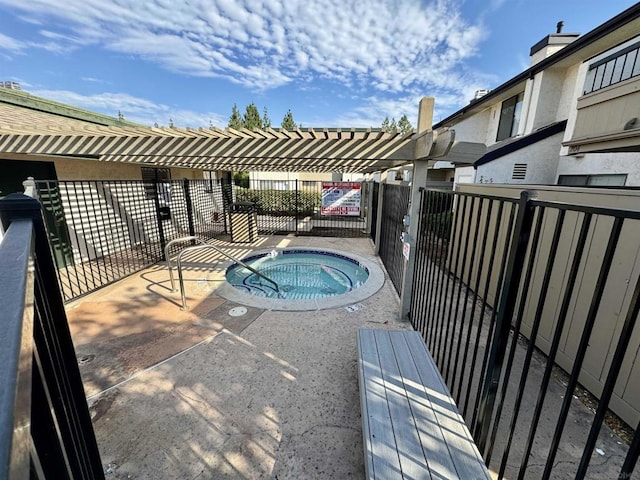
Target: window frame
510	111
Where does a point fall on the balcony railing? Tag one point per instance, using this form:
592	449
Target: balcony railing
45	427
613	69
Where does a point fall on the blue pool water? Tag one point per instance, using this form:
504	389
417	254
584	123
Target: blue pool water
300	274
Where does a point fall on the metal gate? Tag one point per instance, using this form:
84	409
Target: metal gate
395	203
295	206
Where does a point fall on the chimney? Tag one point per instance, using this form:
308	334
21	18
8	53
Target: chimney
551	44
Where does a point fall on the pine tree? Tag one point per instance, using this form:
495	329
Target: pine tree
235	120
266	120
171	125
385	125
404	125
287	121
251	118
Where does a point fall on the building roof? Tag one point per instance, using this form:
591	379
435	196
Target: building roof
20	107
608	35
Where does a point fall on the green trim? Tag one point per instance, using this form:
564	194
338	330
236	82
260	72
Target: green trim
26	100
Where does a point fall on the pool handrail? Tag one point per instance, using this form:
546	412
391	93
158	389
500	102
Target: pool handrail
168	259
200	247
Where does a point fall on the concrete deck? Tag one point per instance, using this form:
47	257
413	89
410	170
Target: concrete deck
203	394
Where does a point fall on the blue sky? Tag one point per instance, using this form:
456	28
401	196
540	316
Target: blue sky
333	63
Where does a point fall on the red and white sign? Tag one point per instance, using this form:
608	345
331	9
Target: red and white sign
341	198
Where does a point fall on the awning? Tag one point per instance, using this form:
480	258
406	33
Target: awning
316	150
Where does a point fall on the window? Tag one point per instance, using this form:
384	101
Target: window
613	69
605	180
149	174
510	117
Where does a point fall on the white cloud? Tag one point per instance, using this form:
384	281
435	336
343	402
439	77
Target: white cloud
383	45
11	44
134	109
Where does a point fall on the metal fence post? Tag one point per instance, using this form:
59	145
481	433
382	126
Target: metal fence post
163	242
376	241
187	199
297	209
506	309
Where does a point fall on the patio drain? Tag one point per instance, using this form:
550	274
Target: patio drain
84	359
238	311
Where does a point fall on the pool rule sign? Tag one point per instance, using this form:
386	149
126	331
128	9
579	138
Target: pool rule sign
341	198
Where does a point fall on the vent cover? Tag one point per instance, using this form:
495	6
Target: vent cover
519	171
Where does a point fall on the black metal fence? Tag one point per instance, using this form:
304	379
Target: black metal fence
394	207
45	427
375	190
296	206
485	288
104	230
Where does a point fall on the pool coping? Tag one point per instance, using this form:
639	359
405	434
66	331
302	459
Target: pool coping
368	288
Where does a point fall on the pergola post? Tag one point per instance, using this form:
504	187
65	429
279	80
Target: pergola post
424	142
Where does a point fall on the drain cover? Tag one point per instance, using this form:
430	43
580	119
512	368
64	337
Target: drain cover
84	359
237	311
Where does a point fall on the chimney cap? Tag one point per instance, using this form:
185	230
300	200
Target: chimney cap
559	26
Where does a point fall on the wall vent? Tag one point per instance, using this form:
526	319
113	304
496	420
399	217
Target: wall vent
519	171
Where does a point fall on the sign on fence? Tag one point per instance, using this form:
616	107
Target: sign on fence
341	198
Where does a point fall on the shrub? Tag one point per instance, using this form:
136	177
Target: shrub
280	202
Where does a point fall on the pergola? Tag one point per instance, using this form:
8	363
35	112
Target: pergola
311	149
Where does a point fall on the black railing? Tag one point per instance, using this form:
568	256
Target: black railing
497	290
45	427
613	69
375	189
102	231
394	206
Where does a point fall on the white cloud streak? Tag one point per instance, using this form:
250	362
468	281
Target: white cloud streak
134	109
383	45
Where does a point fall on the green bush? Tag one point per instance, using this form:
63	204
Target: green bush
280	202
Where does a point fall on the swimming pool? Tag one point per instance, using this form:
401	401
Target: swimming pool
299	274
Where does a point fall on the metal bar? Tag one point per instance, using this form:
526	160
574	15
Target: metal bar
464	305
475	289
231	257
163	241
612	376
16	285
492	321
188	201
457	278
584	339
167	256
533	250
562	314
494	245
632	456
429	265
444	293
506	308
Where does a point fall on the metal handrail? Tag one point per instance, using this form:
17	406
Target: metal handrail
168	259
238	261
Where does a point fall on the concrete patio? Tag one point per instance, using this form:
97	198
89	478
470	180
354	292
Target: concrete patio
204	394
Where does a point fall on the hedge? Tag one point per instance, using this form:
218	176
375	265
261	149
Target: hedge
280	202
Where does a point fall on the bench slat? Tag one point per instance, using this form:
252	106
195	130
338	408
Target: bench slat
382	456
412	458
411	426
463	450
437	454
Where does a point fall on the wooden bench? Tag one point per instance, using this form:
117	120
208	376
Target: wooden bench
411	426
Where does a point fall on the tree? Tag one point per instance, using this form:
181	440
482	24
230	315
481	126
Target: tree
389	126
287	121
235	120
266	120
404	125
385	125
251	118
